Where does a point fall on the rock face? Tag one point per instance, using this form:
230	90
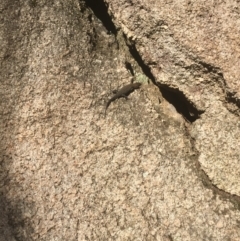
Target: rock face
162	165
189	47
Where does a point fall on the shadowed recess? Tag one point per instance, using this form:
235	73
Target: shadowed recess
173	96
230	97
180	102
99	8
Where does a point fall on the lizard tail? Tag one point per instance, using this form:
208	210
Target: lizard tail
108	103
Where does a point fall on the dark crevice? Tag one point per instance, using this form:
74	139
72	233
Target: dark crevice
146	69
180	102
211	68
129	67
231	98
100	10
207	182
173	96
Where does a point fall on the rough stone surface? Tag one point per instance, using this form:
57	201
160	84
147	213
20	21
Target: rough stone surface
164	35
142	172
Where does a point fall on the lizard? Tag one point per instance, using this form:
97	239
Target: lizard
123	92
